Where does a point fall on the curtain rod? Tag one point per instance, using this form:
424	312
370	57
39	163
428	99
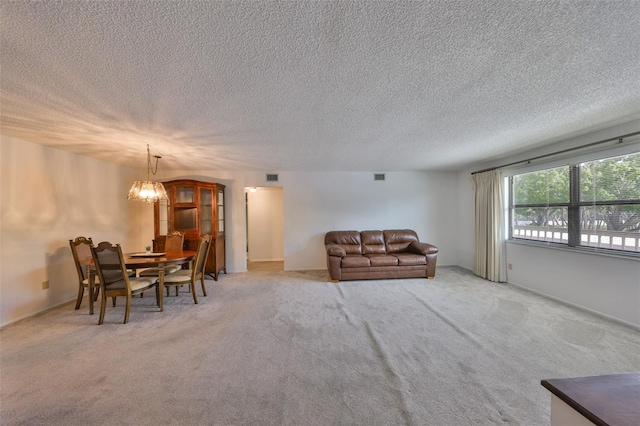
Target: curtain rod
618	138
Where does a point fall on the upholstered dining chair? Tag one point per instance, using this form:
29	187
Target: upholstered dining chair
196	272
114	278
173	242
81	251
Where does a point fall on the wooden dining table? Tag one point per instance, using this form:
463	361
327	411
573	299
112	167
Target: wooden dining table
142	260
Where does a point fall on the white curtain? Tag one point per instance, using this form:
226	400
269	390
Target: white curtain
489	253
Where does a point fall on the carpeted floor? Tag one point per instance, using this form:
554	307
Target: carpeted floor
291	348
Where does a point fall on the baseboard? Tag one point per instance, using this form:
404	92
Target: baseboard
33	314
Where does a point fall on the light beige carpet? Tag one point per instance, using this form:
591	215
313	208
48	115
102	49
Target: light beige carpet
287	348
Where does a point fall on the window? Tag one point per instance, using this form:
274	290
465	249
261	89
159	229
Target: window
592	204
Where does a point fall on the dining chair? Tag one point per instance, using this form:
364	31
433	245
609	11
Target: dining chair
114	278
81	251
173	242
195	272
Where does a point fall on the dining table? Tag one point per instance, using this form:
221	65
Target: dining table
144	260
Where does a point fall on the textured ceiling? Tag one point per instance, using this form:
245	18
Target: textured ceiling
317	85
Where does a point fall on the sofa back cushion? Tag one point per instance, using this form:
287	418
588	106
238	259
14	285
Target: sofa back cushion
349	240
373	242
397	240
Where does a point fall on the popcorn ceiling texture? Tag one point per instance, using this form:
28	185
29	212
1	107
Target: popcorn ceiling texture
276	86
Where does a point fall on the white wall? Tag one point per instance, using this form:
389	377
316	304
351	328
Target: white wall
318	202
265	224
465	221
608	285
47	197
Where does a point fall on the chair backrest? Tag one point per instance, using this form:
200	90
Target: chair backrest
174	242
109	263
201	255
81	251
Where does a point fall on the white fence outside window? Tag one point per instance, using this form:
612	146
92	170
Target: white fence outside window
627	241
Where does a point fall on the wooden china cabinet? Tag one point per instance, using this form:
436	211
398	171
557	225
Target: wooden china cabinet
194	208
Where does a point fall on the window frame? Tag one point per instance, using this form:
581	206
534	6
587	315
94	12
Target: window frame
573	207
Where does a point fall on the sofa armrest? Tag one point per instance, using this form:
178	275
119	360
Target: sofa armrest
335	253
428	250
422	248
335	250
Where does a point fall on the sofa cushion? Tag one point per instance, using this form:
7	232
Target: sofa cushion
349	240
398	240
355	261
382	260
373	242
406	259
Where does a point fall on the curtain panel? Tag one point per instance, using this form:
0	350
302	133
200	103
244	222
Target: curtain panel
489	251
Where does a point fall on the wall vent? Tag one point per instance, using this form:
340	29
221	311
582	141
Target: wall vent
378	176
272	177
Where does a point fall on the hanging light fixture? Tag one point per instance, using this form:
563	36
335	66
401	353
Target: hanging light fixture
148	191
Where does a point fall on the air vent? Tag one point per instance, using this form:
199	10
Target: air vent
378	176
272	177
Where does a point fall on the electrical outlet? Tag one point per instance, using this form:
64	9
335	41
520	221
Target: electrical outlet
45	284
510	266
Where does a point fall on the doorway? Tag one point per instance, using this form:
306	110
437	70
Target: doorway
265	229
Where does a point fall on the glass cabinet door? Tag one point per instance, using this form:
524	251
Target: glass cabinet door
220	206
206	211
185	194
163	217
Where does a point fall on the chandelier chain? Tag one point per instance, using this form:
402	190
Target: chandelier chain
150	169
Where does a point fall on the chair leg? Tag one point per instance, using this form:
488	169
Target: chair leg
204	289
127	308
177	290
114	301
192	285
80	294
96	292
103	306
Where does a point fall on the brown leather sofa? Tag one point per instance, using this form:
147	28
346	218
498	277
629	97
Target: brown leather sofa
394	253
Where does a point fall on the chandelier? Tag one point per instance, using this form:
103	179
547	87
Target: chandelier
148	191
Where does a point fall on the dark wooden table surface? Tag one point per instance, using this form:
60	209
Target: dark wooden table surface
608	400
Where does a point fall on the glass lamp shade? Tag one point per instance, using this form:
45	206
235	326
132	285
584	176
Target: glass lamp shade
147	191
